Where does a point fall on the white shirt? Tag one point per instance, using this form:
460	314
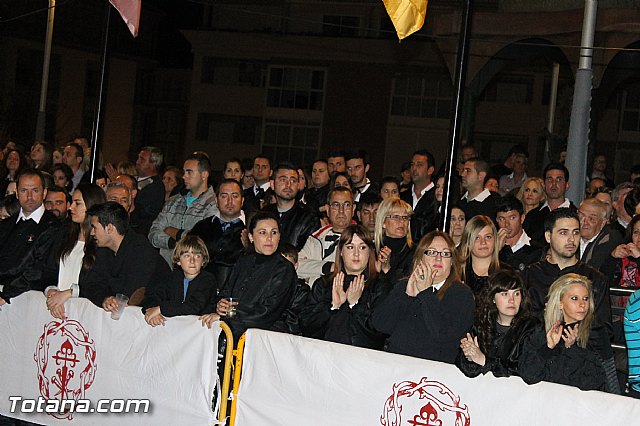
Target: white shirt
437	286
417	199
264	187
70	266
362	189
524	240
480	197
36	215
565	203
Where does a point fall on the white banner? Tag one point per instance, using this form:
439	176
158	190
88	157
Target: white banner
289	380
91	357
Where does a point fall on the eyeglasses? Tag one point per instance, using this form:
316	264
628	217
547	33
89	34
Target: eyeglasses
398	218
434	253
336	205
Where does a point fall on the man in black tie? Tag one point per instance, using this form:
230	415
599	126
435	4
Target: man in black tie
261	173
422	195
358	168
222	234
26	236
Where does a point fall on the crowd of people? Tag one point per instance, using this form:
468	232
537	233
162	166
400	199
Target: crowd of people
519	285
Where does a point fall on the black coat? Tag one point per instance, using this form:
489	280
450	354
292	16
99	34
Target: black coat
522	258
351	326
534	223
22	246
575	366
296	224
425	326
225	247
137	264
425	215
598	252
264	286
169	294
150	197
503	354
486	207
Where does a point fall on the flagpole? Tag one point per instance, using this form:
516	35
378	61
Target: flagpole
460	82
97	117
42	110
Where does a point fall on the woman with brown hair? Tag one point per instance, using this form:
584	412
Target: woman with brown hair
341	303
427	314
478	251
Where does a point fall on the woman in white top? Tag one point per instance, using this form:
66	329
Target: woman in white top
76	250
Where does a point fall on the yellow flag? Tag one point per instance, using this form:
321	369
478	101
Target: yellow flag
407	15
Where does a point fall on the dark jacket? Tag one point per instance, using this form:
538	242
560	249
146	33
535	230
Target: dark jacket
289	322
539	276
425	215
598	252
351	326
486	207
574	366
264	286
503	354
534	223
523	257
169	294
225	247
150	197
296	224
24	246
137	264
401	261
425	326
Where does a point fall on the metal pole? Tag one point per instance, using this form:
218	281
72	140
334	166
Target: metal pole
99	102
553	97
42	114
581	108
461	78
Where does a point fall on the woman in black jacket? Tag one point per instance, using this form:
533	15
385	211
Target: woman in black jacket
427	314
567	350
263	282
393	238
340	304
502	323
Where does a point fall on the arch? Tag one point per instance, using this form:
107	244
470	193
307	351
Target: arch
535	48
624	66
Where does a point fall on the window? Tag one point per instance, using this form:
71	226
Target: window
219	128
340	26
291	141
511	89
631	108
296	88
422	96
232	72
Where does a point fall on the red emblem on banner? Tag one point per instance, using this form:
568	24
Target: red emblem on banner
66	359
427	403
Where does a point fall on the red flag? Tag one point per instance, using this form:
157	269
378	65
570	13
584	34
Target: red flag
129	11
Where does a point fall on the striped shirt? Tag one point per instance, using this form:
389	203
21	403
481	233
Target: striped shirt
632	335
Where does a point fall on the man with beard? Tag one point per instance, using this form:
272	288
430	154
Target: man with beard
319	252
297	221
516	248
58	202
358	168
477	200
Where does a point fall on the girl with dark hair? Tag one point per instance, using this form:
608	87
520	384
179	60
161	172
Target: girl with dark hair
427	314
262	282
10	169
42	156
75	252
340	304
62	176
502	322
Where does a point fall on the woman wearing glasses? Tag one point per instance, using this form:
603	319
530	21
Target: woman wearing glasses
427	314
478	252
340	303
393	238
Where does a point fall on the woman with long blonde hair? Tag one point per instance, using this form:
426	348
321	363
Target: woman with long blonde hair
531	194
478	252
569	350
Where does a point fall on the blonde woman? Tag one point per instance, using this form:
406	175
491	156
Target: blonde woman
478	252
531	194
570	350
393	237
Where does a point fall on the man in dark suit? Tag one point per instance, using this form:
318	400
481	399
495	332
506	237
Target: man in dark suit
261	175
596	240
422	195
477	200
358	168
150	198
516	248
556	183
27	235
222	234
